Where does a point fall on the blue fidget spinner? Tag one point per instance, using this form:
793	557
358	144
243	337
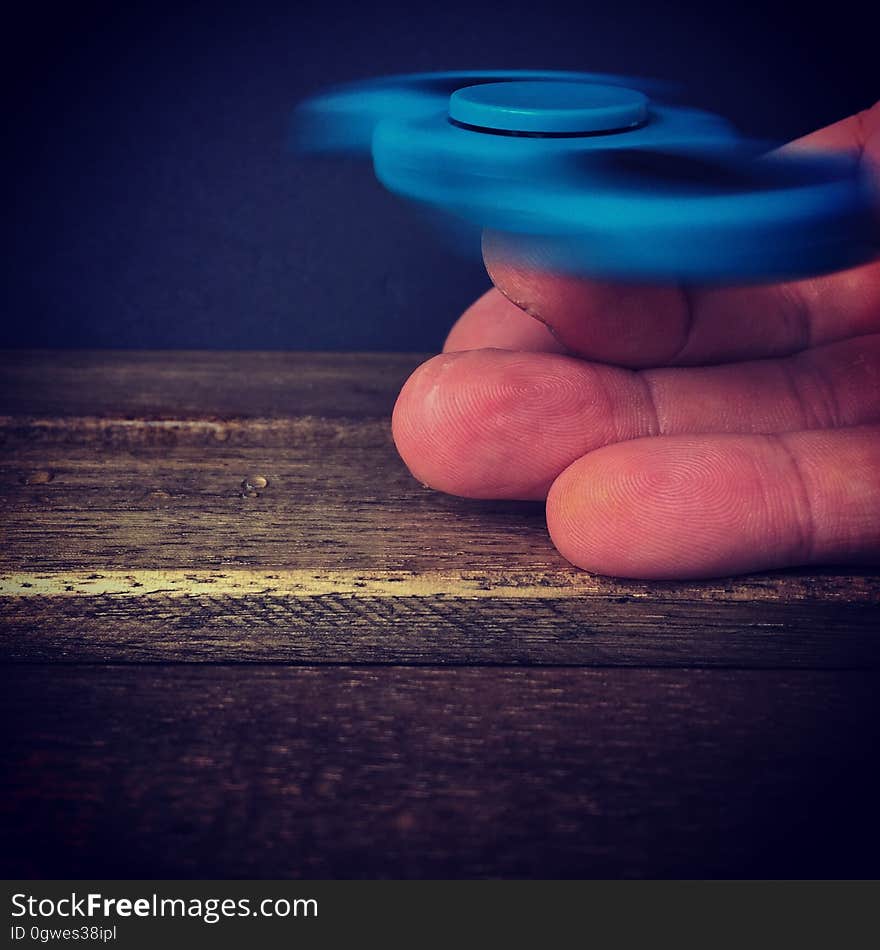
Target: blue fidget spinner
587	174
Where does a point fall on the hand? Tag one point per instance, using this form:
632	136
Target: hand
673	433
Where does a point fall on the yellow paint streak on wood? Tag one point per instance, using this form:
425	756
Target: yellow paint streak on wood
298	583
488	584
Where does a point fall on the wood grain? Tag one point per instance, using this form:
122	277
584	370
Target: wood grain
152	385
239	640
419	625
212	771
123	489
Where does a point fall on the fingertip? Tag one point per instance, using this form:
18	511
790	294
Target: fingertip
673	508
499	424
630	325
494	321
412	415
456	426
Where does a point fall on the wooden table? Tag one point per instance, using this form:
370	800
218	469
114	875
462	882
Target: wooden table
239	640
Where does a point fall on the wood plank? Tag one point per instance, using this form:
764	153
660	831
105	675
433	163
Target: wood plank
416	619
212	771
153	385
123	490
128	536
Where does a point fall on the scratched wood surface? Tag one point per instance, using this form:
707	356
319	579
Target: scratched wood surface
195	770
200	552
130	533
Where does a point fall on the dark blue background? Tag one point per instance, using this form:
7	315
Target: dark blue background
151	203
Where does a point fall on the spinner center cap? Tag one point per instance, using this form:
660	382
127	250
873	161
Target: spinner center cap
548	108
